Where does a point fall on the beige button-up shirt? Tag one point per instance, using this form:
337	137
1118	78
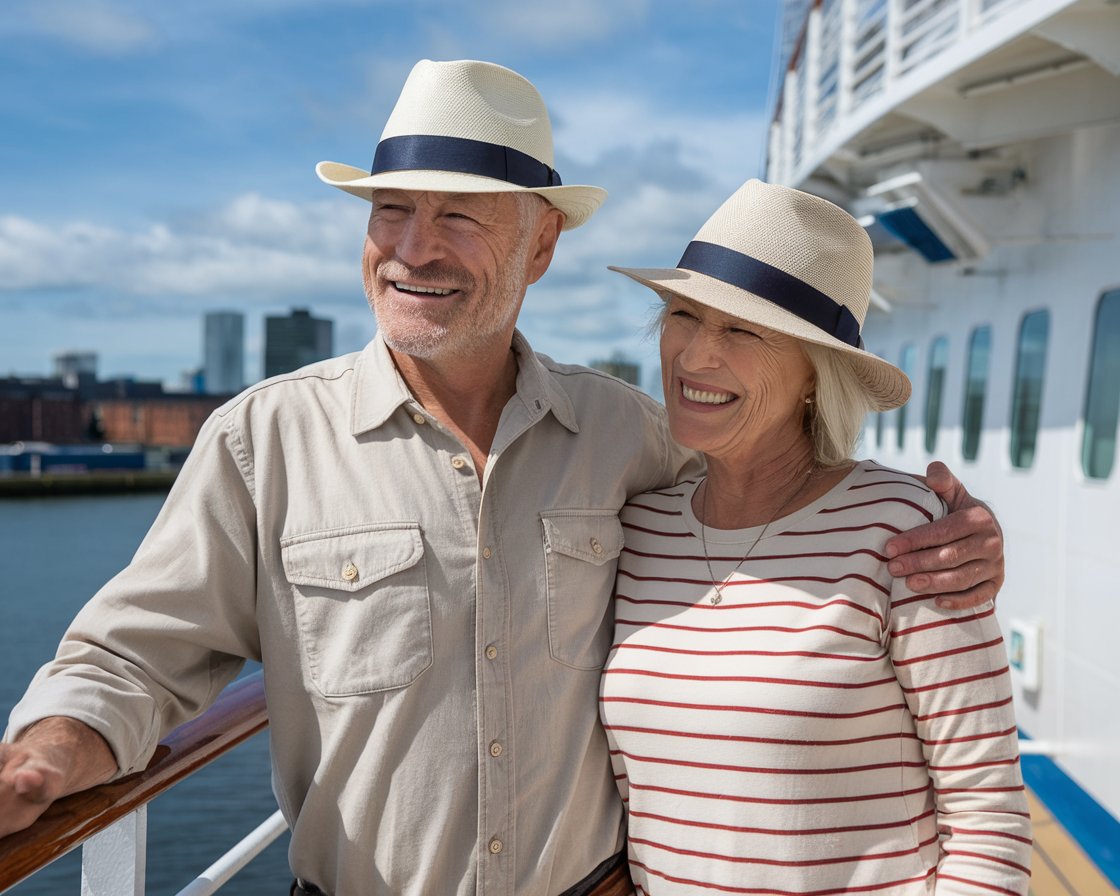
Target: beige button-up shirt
431	645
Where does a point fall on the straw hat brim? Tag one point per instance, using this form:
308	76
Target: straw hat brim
578	203
886	385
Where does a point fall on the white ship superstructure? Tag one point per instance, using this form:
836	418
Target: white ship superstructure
979	142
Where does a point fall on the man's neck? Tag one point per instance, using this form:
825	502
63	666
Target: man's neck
466	395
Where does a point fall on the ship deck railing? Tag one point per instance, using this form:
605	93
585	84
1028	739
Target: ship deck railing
855	58
109	822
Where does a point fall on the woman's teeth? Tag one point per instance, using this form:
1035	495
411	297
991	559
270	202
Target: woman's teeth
705	397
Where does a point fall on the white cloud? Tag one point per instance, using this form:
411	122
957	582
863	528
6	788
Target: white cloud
95	25
251	248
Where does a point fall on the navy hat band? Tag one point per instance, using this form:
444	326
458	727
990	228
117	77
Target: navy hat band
426	152
774	285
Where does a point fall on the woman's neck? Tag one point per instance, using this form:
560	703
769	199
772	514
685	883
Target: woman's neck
742	495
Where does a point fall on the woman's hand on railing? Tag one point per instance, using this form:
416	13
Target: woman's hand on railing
53	758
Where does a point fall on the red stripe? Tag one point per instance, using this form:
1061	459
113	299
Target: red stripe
1004	834
760	605
784	629
795	682
743	738
763	770
681	651
956	651
958	619
755	709
962	711
975	883
953	682
795	832
987	735
1007	863
786	863
768	891
877	501
772	801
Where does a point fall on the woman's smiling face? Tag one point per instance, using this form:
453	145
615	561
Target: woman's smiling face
731	385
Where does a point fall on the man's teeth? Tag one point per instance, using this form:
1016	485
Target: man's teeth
430	290
706	397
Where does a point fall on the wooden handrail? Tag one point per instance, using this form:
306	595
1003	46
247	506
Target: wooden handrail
237	715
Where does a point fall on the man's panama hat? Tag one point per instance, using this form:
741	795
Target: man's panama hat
467	127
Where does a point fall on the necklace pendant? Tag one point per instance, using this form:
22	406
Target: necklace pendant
716	598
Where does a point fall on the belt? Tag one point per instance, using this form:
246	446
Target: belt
610	878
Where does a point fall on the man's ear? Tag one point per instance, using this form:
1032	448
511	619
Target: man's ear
548	229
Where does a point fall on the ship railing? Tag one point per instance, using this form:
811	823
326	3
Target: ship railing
850	54
110	821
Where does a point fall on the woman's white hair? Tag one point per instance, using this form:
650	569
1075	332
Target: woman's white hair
840	405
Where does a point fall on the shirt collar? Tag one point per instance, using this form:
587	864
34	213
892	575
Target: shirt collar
379	389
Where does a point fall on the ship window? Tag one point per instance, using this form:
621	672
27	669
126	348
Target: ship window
1102	397
975	389
1026	400
935	386
906	363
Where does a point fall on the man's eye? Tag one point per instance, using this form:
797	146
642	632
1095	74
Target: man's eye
682	314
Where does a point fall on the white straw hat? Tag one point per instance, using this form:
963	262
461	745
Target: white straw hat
467	127
792	262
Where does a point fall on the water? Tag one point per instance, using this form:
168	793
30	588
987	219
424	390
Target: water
54	554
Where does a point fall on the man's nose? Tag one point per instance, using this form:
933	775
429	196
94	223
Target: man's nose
418	241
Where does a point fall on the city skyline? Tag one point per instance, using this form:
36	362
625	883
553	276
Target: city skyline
165	160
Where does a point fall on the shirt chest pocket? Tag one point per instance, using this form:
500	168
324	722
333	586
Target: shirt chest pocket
361	605
581	557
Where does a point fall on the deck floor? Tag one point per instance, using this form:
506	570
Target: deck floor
1059	866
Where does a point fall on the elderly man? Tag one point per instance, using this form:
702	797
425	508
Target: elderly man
418	541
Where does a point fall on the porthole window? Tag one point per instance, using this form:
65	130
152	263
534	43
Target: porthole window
935	388
1026	398
975	390
1102	396
906	364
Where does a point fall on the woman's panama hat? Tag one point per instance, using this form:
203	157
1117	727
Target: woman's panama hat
792	262
467	127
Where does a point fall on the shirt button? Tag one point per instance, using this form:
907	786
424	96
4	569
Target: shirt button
596	547
349	572
496	846
487	553
458	462
491	652
495	749
419	418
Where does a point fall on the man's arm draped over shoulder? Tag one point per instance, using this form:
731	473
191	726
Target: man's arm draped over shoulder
959	557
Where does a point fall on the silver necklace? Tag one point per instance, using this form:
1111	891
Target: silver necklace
718	596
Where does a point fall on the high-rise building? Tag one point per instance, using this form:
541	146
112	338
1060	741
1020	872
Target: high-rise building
76	369
223	352
619	365
293	341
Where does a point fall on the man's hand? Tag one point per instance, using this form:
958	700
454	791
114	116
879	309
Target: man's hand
959	557
53	758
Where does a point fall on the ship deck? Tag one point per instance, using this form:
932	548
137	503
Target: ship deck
1059	866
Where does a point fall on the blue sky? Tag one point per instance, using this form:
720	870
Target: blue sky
157	159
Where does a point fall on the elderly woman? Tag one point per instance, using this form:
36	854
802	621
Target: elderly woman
783	716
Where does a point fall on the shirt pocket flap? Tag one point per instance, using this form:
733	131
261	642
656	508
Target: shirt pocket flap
351	559
593	538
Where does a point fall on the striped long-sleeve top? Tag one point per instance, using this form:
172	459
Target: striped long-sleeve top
820	728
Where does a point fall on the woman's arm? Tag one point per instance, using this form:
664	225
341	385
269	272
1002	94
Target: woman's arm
953	669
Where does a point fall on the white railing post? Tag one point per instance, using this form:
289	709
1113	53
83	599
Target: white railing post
845	75
811	60
892	43
790	124
114	862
